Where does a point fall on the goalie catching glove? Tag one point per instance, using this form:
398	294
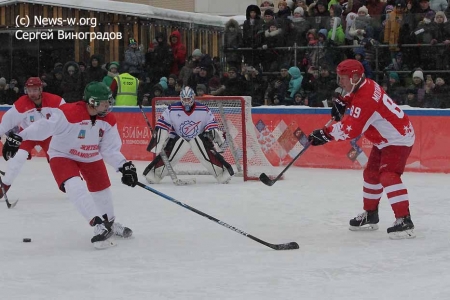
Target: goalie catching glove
216	136
11	145
129	175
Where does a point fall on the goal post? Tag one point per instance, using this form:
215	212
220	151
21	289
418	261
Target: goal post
242	149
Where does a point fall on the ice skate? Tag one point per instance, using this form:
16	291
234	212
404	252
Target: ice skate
101	235
403	228
366	221
121	231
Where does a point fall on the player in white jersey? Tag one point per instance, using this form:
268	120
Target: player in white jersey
84	135
31	107
188	125
373	113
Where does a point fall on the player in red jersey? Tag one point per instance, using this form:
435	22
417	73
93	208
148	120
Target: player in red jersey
29	108
373	113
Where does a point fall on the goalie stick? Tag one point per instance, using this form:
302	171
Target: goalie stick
267	181
165	159
9	204
286	246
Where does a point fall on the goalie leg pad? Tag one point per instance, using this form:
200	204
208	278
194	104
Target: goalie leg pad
176	148
216	165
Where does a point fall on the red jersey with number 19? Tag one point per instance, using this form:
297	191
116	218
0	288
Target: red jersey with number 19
373	113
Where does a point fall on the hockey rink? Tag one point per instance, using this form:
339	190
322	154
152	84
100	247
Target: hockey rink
177	254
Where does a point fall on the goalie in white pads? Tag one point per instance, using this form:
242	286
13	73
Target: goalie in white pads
188	125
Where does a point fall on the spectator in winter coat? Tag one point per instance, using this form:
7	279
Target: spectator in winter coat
252	34
94	72
158	61
274	37
186	71
265	5
418	89
425	33
113	70
134	59
318	11
171	82
339	36
294	86
438	5
178	51
233	39
360	55
72	83
395	90
199	76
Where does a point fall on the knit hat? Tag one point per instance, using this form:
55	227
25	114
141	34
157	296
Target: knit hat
2	81
113	64
269	12
323	32
163	83
363	9
201	87
418	74
394	75
389	8
300	11
197	52
430	15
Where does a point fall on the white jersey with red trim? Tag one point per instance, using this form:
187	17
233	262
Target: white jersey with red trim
78	136
24	112
187	125
373	113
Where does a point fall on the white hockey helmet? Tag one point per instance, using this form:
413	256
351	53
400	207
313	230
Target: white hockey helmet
187	98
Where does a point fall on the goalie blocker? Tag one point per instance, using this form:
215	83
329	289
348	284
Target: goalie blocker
203	147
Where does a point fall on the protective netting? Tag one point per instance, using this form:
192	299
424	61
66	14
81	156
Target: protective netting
233	114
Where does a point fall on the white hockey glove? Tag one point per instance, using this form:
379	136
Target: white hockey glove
217	137
158	141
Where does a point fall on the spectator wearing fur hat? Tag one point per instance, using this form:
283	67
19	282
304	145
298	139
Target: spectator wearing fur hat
252	34
274	37
233	41
266	5
72	83
441	35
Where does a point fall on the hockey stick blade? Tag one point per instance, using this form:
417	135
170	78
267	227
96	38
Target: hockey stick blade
287	246
265	179
11	204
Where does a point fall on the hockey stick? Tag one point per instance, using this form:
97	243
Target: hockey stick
10	205
267	181
165	159
286	246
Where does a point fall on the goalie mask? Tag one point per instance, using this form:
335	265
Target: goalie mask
99	96
187	98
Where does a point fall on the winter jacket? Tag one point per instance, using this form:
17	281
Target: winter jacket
179	53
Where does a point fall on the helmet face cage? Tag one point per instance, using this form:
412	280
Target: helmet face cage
187	98
97	92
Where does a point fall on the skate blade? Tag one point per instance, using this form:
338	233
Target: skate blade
104	244
400	235
367	227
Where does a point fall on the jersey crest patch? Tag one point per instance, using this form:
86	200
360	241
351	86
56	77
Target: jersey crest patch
82	134
189	128
101	132
31	119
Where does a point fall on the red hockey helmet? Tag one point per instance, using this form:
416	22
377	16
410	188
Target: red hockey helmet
350	67
33	82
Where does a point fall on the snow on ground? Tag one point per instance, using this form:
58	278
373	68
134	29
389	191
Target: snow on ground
177	254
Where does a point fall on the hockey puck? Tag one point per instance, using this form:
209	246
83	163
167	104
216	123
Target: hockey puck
26	240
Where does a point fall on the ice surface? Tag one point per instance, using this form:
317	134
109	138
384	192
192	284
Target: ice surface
177	254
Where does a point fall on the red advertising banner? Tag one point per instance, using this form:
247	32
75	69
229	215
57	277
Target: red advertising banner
282	132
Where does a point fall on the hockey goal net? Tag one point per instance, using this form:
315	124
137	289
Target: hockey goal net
242	149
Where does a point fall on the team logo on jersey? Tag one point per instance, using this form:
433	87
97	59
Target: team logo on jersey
48	116
82	134
101	132
31	119
189	128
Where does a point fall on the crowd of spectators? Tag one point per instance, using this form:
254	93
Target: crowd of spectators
287	55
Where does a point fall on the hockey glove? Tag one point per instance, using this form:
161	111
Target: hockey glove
338	108
319	137
11	145
129	175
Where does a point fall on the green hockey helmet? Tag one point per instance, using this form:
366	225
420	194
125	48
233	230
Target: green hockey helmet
96	92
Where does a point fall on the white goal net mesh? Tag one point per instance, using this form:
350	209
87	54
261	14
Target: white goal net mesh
242	150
